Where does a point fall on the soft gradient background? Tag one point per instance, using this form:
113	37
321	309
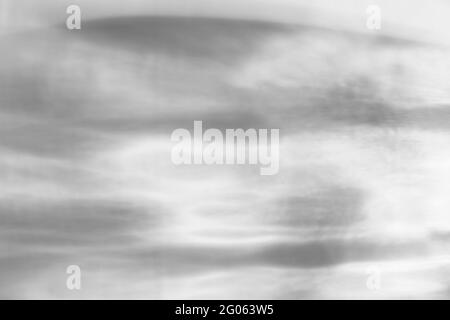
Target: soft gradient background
85	170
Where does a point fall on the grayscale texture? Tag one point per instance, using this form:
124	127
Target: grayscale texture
86	176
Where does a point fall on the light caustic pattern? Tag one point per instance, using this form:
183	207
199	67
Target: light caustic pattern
86	175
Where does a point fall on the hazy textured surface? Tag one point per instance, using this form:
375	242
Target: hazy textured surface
86	176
